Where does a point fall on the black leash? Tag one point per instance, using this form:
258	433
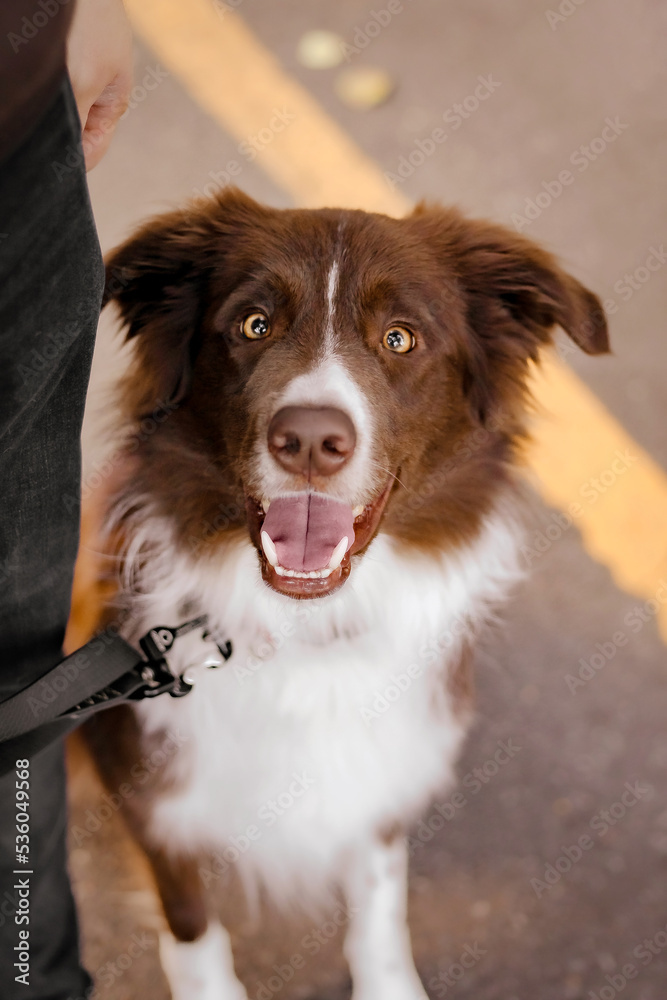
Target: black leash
105	672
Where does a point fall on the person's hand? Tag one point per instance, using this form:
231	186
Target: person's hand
99	60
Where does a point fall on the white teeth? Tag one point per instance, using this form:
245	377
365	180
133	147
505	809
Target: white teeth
265	506
269	548
356	511
338	553
314	574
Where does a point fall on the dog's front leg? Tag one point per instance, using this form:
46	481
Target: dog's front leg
195	951
377	945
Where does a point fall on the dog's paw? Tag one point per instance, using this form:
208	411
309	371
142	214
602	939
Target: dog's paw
203	969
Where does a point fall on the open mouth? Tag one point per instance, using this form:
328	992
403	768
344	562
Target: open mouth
306	540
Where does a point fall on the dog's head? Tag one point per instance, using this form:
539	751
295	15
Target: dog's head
331	373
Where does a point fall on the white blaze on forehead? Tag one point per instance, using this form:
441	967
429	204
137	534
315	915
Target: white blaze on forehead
332	288
329	384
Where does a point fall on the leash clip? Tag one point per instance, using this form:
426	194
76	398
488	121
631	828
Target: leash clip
151	677
158	678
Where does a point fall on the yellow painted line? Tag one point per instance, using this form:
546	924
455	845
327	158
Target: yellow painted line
241	85
582	455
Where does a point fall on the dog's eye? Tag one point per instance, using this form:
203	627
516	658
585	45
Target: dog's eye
398	339
255	326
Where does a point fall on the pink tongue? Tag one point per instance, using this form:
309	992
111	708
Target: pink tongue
306	529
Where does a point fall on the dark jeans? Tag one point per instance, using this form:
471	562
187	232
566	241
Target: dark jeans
50	290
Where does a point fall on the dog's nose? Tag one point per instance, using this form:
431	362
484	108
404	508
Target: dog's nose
310	440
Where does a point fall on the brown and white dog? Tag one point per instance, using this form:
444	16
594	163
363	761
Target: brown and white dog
346	406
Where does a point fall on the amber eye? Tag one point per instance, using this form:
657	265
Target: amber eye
255	326
398	339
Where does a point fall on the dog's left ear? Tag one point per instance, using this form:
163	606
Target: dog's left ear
514	294
155	280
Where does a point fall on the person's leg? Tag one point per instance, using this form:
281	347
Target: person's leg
50	290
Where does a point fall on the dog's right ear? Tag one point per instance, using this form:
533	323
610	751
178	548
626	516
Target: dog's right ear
159	277
156	283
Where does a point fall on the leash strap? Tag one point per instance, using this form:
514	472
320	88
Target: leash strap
105	672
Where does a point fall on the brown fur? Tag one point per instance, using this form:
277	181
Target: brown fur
481	302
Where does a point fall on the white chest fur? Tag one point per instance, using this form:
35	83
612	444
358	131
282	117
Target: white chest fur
332	720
